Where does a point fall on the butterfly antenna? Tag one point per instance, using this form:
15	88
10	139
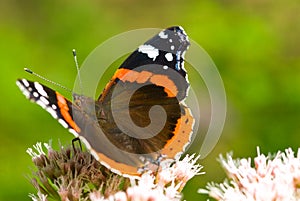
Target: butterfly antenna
77	68
43	78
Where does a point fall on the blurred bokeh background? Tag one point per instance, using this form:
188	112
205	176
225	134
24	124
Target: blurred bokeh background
254	43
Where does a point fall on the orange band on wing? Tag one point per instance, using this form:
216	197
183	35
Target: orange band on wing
64	110
143	77
182	135
120	167
164	81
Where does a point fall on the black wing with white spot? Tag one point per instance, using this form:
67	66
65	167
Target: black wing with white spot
54	103
161	55
166	48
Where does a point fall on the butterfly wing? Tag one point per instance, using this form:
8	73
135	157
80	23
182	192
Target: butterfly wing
165	51
143	103
80	124
140	114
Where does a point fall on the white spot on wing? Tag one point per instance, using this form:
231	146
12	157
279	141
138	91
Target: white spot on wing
151	51
25	82
63	123
52	112
54	107
180	27
163	35
73	132
87	144
22	88
35	94
172	47
44	100
169	56
165	67
26	93
183	54
94	153
40	103
19	84
40	89
170	40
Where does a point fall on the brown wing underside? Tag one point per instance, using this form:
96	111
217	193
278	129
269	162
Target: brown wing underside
126	136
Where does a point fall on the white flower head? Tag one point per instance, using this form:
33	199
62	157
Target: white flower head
55	176
187	168
39	197
272	178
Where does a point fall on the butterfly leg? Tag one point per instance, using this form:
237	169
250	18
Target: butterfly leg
73	144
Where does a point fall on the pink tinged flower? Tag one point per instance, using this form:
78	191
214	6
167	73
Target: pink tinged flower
272	178
168	183
147	181
96	196
137	193
172	191
63	193
146	189
165	176
187	168
120	196
179	172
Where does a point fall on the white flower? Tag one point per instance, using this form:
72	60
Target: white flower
165	185
180	171
38	150
272	178
172	191
55	176
187	168
39	197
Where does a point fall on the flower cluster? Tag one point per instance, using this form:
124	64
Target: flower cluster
72	174
273	178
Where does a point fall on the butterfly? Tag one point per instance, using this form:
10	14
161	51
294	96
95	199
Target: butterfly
140	117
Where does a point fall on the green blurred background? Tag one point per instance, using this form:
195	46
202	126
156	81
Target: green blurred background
254	43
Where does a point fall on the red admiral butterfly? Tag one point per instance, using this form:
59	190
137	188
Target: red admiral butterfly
153	75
